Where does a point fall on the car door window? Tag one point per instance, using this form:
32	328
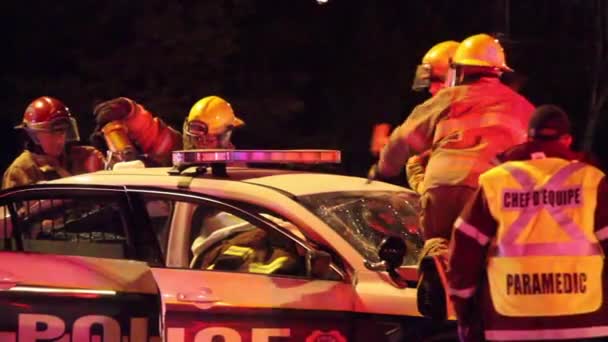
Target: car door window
93	225
229	243
218	236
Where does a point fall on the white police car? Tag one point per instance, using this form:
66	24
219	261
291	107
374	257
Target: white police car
203	251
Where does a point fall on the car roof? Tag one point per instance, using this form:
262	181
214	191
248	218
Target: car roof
298	183
312	183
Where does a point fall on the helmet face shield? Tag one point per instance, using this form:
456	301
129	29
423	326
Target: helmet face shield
197	128
196	135
61	125
422	78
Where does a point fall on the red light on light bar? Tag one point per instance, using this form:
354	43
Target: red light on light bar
193	157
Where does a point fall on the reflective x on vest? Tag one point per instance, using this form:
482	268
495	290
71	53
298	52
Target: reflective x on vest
579	245
546	278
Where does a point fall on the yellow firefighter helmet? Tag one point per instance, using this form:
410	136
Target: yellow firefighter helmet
434	68
481	50
215	114
438	58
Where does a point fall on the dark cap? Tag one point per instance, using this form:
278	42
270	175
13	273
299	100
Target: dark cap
548	122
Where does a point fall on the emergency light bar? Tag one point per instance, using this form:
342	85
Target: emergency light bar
201	157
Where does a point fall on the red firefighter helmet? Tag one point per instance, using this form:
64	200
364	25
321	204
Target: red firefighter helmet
50	115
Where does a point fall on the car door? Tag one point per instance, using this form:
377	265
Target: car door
72	269
210	297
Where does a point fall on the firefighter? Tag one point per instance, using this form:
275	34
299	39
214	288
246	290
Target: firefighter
127	125
527	251
465	126
430	76
50	133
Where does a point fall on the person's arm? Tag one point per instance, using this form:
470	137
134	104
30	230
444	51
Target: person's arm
472	233
17	175
152	135
83	159
414	135
149	132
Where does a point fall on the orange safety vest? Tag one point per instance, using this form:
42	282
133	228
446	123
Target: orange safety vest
545	259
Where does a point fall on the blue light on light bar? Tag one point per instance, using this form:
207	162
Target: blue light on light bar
194	157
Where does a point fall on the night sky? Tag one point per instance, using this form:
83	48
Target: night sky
302	75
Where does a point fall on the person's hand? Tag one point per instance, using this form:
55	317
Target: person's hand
380	137
372	174
86	159
115	109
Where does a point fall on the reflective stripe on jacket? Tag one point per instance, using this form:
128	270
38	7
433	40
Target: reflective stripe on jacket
529	249
465	127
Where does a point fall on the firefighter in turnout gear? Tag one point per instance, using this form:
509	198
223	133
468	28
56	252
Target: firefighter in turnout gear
50	133
465	126
430	76
527	253
127	126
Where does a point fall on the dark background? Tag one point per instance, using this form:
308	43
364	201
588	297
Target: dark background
301	74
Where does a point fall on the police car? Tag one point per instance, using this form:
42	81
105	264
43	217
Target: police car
212	249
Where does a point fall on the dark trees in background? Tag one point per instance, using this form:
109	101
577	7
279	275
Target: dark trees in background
598	107
301	75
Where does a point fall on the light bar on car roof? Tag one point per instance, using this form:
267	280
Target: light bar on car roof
194	157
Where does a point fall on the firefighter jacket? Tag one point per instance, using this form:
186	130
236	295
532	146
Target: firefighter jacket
465	127
30	167
414	171
529	249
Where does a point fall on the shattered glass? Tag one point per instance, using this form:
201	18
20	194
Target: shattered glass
364	219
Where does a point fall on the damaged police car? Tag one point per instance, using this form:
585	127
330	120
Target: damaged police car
204	250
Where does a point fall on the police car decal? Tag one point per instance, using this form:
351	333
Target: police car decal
120	318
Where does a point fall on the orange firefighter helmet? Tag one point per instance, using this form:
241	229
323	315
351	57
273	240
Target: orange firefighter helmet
481	50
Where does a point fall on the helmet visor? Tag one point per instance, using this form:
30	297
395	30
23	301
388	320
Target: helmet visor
197	129
422	78
66	125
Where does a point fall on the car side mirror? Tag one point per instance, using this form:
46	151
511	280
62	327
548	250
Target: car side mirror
317	263
392	251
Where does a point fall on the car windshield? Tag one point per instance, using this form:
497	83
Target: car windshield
365	218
